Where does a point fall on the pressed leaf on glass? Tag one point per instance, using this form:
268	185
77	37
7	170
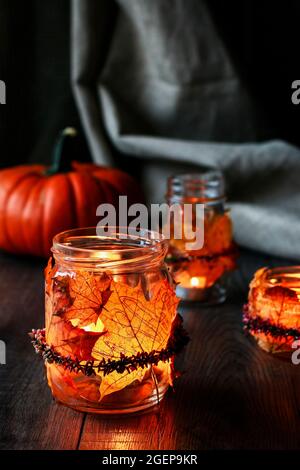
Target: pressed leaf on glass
134	324
95	317
89	294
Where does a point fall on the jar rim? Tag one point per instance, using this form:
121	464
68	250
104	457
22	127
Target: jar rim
207	186
287	276
207	176
117	243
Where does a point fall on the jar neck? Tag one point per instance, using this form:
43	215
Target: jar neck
116	252
206	188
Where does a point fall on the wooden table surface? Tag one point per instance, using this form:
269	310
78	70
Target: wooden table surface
232	395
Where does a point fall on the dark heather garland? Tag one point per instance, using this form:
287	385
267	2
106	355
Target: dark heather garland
258	325
179	338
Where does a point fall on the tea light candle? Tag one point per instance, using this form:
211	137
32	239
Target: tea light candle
198	281
190	288
272	315
112	328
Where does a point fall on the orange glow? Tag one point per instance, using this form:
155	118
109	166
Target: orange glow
202	268
198	282
274	297
90	316
186	281
96	327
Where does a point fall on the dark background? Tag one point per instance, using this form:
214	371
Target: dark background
261	36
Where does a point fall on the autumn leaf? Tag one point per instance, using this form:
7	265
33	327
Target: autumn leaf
70	384
49	273
62	299
282	292
72	341
94	317
134	324
89	294
82	343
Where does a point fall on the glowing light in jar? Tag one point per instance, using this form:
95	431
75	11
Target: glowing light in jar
198	281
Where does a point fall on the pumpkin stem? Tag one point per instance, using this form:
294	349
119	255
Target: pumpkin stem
61	162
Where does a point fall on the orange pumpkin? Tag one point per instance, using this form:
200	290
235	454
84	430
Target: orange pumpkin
37	202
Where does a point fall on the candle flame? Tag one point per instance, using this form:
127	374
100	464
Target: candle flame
198	281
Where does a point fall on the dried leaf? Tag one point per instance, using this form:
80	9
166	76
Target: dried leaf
82	343
281	292
217	233
134	324
49	273
70	340
62	299
89	294
94	317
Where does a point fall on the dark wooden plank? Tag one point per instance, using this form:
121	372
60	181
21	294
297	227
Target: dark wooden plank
29	419
127	433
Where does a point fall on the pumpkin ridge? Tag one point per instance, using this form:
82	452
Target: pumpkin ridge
16	228
38	244
6	201
22	221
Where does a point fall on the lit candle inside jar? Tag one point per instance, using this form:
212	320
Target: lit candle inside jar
199	282
112	327
200	272
272	314
185	280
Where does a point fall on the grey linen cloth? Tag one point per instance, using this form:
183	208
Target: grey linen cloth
153	81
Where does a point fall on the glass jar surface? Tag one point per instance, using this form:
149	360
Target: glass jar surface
200	273
272	315
110	303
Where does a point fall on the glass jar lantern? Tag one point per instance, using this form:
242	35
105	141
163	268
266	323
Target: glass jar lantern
272	315
110	319
200	273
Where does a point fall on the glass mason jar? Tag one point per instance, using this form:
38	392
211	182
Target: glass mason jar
200	273
110	304
272	315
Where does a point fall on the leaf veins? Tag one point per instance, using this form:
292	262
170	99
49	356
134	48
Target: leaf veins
134	324
87	294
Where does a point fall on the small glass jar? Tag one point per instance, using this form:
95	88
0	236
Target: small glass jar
200	273
272	315
109	301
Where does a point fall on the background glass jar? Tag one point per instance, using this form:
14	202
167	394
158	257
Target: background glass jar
200	273
109	300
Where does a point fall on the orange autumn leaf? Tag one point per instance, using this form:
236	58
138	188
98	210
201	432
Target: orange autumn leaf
82	343
73	385
274	302
217	232
94	317
49	273
134	324
89	294
278	303
72	341
62	299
